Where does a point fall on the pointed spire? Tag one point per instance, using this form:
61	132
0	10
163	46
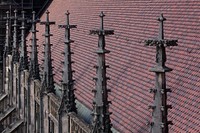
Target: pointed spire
159	107
161	19
48	70
15	52
101	114
34	65
7	49
68	90
23	49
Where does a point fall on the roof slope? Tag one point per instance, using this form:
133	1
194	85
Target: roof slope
134	21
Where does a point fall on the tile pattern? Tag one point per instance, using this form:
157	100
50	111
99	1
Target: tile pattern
133	21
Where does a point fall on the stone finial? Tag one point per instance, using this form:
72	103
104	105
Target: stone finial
23	49
102	15
15	52
7	48
160	44
161	19
159	107
48	69
67	81
101	114
34	65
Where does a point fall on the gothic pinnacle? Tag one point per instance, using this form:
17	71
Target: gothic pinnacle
34	66
23	49
68	90
48	69
159	107
7	48
15	51
101	114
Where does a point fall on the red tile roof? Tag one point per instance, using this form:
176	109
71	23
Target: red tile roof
134	21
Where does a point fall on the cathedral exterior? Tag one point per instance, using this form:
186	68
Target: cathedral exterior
59	75
28	102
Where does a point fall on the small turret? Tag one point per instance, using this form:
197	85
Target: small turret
160	107
23	48
101	114
34	65
7	48
48	80
15	51
68	98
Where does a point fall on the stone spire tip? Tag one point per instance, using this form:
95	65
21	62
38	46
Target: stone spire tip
102	14
23	11
47	12
161	18
67	13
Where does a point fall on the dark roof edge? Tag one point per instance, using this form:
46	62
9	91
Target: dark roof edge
44	7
